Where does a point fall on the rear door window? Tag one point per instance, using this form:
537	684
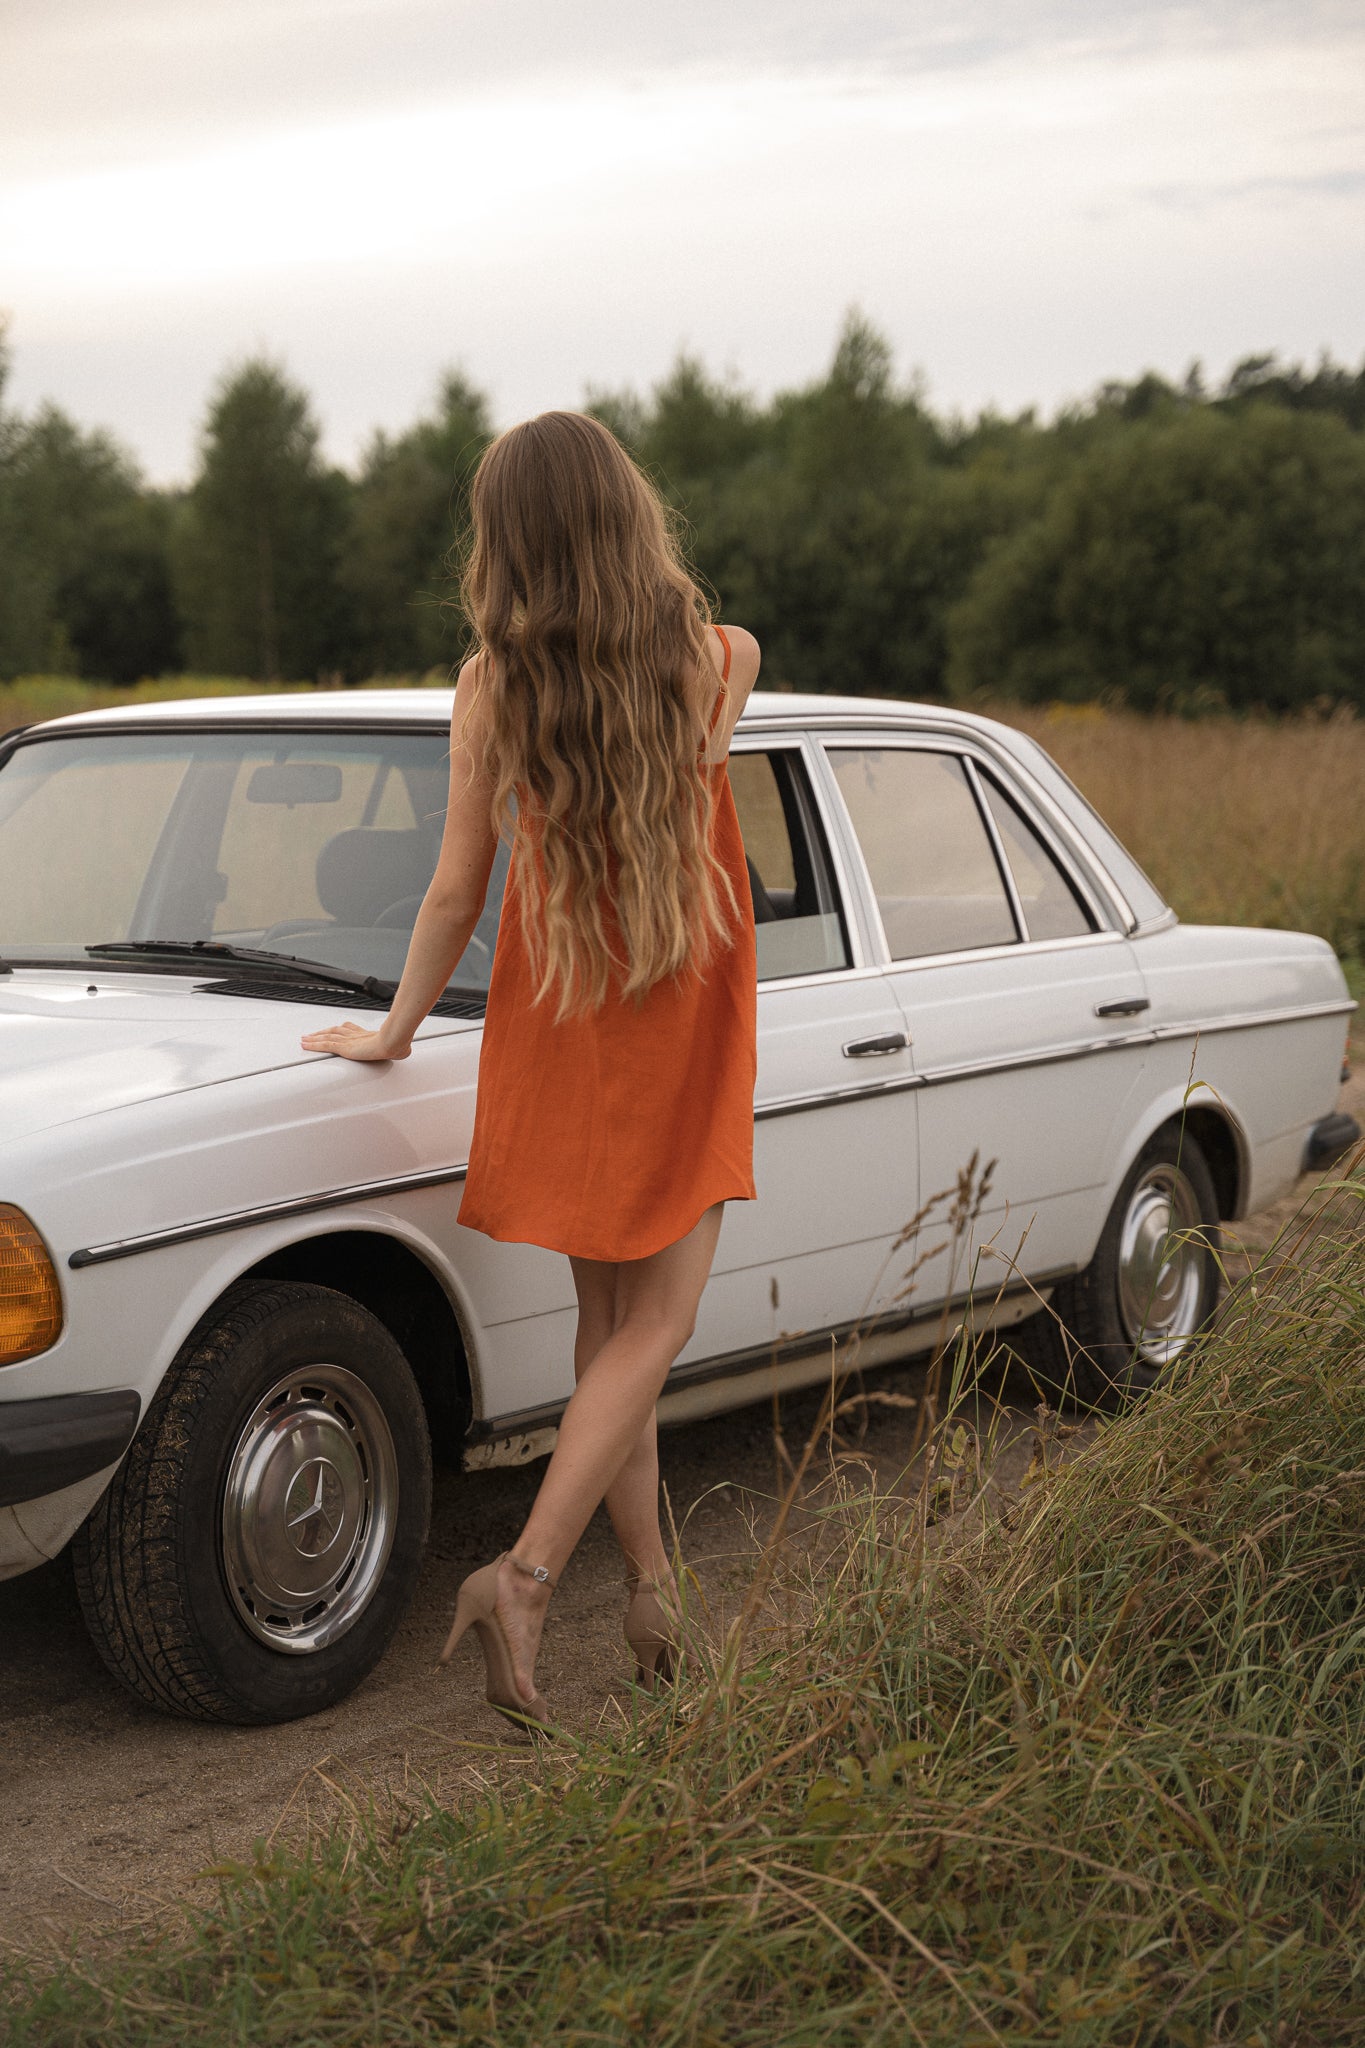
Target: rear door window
1052	909
929	855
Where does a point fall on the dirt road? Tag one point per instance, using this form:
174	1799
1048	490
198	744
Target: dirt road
108	1811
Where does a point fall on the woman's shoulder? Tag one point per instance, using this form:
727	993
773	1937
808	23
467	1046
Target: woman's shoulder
745	653
745	656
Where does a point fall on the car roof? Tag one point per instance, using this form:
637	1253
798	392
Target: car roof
433	706
428	708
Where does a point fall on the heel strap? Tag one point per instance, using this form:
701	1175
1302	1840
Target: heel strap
532	1571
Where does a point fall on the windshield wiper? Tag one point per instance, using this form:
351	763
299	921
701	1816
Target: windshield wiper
210	950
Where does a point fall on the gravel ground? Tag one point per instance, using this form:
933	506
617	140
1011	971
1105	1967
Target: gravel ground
108	1812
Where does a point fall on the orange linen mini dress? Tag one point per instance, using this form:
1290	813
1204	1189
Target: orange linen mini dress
609	1135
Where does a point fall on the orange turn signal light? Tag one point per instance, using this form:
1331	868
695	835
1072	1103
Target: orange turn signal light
30	1298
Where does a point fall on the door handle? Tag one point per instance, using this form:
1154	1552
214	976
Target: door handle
867	1048
1126	1006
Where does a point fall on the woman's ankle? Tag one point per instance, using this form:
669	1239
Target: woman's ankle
533	1581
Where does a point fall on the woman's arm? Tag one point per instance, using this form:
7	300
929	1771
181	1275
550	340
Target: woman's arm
452	905
745	658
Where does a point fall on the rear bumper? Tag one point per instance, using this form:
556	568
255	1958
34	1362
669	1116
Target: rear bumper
1329	1139
51	1443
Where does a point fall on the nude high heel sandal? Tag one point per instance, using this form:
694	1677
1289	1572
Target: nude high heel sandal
653	1635
475	1608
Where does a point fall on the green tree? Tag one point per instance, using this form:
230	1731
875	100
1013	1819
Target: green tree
259	551
84	585
813	533
409	505
1194	558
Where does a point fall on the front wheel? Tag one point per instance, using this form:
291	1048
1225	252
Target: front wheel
255	1550
1151	1287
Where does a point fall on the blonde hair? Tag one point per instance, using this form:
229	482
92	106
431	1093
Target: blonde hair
597	684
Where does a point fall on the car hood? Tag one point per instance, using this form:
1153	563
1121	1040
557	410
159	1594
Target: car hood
73	1045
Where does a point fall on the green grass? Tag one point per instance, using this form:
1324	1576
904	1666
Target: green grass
1090	1774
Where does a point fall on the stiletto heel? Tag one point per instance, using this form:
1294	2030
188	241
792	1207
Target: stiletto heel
653	1635
476	1608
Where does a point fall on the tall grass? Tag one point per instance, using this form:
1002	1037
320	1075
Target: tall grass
1236	820
31	698
1088	1770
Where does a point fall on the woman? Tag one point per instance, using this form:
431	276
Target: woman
615	1098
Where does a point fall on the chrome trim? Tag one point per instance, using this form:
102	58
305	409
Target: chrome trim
1056	1055
1247	1020
1078	861
934	1077
856	879
828	1098
309	1509
1082	866
877	972
268	1212
876	1047
523	1421
856	905
883	970
1009	951
1002	859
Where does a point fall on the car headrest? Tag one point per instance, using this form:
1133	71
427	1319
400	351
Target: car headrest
764	913
361	873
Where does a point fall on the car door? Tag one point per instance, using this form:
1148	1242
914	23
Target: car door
834	1132
1024	1007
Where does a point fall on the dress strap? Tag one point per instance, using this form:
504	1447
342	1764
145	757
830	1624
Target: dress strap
724	639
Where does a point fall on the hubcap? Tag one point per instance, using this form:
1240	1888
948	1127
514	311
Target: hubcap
309	1508
1162	1254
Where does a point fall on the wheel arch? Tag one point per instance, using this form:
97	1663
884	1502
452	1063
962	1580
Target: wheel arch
1223	1145
1216	1129
397	1286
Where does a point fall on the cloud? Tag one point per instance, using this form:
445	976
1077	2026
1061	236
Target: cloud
1256	191
86	83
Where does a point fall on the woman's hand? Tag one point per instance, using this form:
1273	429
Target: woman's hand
353	1042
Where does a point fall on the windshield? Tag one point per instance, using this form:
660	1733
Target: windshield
320	846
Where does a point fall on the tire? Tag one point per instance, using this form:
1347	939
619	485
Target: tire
256	1548
1152	1286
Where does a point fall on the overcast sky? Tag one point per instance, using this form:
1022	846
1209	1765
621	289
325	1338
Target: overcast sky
1026	195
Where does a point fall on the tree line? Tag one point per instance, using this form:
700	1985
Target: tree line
1162	545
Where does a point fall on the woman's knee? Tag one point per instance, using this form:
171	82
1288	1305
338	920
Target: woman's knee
658	1325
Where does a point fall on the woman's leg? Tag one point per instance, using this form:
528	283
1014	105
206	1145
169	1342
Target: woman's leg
655	1312
632	1499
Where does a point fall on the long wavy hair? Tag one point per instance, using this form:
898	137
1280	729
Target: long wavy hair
598	686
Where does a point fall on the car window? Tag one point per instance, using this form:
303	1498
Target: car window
75	846
797	920
1052	909
269	853
934	872
319	845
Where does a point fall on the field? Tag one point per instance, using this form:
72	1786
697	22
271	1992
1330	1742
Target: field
1237	821
1085	1770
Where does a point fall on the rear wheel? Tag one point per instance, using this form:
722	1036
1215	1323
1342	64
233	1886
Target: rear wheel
256	1549
1151	1287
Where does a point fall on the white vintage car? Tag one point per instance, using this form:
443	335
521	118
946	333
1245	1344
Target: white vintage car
237	1309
